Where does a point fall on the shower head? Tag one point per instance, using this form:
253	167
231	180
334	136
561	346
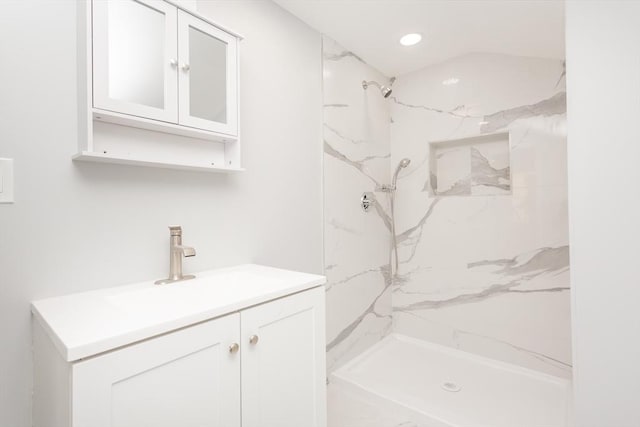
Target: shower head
403	164
384	90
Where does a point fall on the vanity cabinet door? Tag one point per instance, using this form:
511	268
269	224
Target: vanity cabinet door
283	362
207	76
187	378
135	49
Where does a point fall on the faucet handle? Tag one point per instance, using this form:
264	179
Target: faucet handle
188	251
175	230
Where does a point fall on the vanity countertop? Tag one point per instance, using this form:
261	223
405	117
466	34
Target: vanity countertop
85	324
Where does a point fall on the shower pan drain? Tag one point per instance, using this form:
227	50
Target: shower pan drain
451	387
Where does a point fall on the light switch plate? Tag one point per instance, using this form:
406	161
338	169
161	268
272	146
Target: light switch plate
6	180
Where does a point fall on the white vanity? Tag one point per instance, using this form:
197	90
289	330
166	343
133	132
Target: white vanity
242	346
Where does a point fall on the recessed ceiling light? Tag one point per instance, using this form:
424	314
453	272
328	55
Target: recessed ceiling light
410	39
450	81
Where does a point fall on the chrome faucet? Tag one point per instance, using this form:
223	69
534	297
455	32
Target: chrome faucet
176	252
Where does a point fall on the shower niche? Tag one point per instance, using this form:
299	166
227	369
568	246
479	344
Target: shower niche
473	166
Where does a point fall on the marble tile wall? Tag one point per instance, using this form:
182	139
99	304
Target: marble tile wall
356	159
489	273
473	166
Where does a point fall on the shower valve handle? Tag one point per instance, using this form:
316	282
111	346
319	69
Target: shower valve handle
367	200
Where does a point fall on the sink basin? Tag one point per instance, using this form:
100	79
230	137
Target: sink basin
85	324
181	298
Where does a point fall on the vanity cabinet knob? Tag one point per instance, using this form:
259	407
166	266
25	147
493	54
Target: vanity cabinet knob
174	63
186	67
233	348
253	339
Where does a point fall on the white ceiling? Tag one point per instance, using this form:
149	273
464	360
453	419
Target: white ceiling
371	28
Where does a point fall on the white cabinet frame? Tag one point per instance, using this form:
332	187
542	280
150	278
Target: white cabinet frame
204	346
186	20
218	149
101	98
259	366
283	372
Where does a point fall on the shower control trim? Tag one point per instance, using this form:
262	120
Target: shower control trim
367	201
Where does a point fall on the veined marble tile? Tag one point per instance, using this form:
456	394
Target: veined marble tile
488	273
360	312
356	159
470	166
425	110
490	168
450	232
487	83
452	174
543	270
552	106
539	152
522	331
356	122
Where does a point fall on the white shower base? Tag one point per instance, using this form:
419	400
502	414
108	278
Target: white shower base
417	381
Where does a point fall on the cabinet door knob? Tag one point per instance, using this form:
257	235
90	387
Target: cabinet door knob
233	348
186	67
253	339
174	63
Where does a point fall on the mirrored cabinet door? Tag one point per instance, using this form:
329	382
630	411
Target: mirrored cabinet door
135	64
207	76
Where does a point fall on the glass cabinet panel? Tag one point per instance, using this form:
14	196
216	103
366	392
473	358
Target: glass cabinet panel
135	58
152	60
208	76
136	53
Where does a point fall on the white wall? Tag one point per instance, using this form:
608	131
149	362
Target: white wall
77	227
603	86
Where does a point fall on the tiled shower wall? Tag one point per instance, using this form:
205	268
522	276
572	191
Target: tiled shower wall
484	251
356	159
484	261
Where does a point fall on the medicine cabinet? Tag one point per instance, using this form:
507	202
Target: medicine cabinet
159	69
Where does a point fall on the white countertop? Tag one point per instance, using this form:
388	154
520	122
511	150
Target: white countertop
88	323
